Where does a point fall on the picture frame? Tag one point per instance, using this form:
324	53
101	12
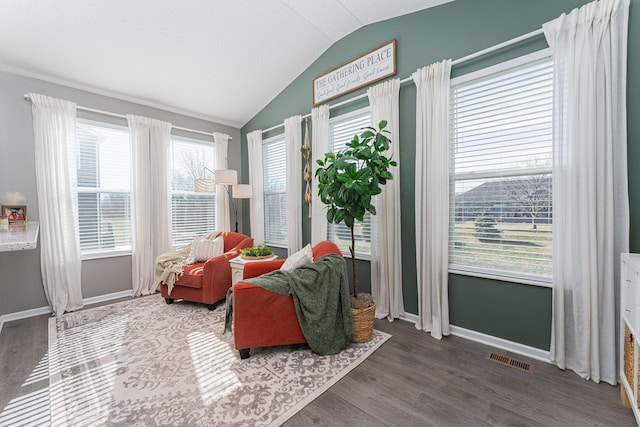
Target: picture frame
14	213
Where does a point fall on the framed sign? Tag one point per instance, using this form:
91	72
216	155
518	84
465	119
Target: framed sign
371	66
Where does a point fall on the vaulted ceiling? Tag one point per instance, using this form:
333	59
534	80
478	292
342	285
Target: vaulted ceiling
221	60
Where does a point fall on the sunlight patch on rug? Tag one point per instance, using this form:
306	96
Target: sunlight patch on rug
143	362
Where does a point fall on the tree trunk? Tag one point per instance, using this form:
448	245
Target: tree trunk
352	249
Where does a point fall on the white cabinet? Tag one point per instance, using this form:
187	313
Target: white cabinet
629	328
237	267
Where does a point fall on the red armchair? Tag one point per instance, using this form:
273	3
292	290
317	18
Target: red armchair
208	282
262	318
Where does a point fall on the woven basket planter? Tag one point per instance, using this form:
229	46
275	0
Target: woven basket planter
363	319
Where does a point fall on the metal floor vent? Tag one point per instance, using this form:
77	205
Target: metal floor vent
510	361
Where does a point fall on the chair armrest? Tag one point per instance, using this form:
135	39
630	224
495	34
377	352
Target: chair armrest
258	268
216	277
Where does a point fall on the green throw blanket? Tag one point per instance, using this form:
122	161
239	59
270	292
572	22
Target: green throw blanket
320	292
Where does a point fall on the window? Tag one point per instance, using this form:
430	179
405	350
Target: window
341	131
104	188
501	153
192	214
274	158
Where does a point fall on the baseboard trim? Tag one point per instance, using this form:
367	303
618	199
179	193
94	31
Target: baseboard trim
501	343
490	340
26	313
45	310
107	297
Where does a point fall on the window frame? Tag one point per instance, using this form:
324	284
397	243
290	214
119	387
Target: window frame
284	244
172	192
488	273
102	253
330	227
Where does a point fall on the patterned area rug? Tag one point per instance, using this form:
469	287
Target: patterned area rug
142	362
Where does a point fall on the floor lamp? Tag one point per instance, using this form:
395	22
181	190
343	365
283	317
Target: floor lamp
226	178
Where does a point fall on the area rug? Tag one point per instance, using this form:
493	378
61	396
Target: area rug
143	362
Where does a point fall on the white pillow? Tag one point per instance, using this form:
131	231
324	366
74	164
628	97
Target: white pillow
203	249
300	258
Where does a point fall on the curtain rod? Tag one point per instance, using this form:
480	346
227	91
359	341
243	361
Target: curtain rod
122	116
454	62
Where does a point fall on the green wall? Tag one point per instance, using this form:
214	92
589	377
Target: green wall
519	313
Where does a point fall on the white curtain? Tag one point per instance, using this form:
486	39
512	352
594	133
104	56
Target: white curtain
432	196
319	146
256	214
590	198
54	133
150	205
386	247
223	215
293	138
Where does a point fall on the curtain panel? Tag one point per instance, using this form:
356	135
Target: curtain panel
150	205
386	245
256	213
432	196
54	132
319	146
590	195
223	215
293	138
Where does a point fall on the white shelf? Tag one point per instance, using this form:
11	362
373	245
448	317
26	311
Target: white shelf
18	237
630	318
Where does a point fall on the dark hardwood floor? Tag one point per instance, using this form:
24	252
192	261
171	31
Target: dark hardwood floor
412	380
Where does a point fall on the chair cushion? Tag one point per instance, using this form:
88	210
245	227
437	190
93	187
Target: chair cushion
298	259
203	249
191	276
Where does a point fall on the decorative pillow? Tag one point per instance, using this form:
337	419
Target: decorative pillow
300	258
203	249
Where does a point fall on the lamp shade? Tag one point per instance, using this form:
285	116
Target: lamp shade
242	191
204	186
226	177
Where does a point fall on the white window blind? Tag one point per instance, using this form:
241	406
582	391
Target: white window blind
104	188
192	214
274	156
501	153
341	131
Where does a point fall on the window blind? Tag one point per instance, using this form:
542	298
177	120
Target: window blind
501	173
192	214
275	190
341	131
104	188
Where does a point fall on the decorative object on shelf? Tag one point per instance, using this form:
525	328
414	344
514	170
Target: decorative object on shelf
256	252
15	213
347	182
306	175
226	178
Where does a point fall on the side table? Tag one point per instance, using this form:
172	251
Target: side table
237	267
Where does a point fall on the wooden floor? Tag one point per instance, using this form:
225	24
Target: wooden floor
412	380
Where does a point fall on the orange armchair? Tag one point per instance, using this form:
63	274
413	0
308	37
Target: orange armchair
208	282
262	318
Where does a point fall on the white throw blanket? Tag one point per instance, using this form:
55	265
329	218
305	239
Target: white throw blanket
170	264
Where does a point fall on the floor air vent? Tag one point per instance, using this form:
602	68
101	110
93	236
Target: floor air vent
509	361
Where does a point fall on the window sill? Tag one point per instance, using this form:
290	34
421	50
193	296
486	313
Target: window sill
100	255
347	254
525	280
277	245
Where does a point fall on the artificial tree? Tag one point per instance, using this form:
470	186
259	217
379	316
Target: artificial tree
347	182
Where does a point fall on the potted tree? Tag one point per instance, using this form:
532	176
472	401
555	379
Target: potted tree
347	182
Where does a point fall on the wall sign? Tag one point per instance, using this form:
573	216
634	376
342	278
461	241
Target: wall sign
367	68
